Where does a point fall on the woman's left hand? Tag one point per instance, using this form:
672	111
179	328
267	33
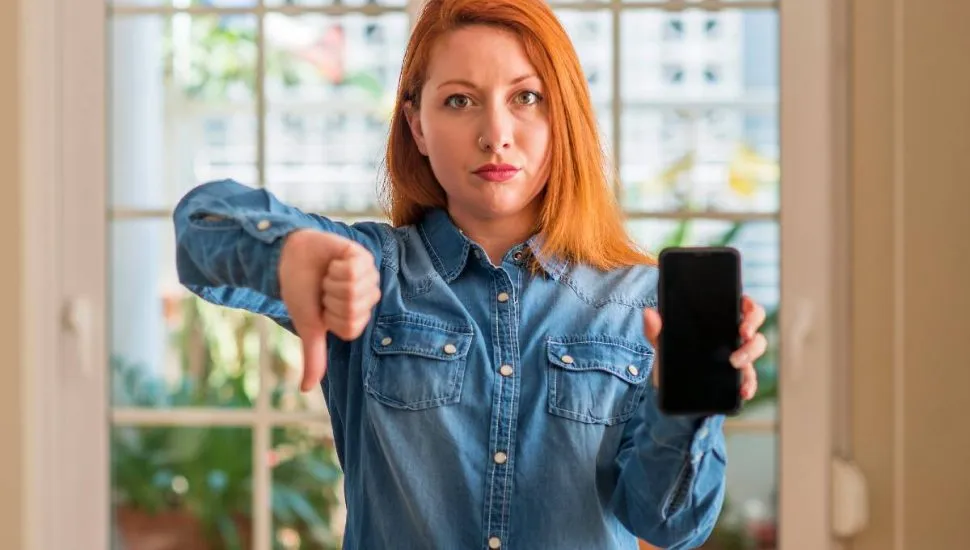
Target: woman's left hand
753	343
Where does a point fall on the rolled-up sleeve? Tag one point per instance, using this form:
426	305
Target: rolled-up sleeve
228	241
671	481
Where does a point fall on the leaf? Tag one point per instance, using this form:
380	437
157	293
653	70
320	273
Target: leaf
229	533
321	471
299	504
678	237
728	237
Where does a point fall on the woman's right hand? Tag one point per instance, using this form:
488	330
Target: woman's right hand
329	284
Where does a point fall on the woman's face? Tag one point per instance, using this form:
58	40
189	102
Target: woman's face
484	125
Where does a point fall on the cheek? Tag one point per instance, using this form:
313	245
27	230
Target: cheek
537	143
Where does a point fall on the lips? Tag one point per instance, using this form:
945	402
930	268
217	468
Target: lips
496	172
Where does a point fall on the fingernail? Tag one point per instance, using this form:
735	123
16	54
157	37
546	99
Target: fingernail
739	359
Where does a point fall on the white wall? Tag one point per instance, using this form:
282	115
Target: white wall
911	269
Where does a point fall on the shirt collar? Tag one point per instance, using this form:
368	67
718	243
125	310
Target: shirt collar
449	247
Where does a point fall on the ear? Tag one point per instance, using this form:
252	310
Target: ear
413	117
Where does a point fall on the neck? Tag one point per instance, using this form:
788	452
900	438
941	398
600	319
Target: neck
498	235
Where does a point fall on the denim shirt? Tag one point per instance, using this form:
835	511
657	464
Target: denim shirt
482	407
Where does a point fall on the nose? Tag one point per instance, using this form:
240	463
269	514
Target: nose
496	129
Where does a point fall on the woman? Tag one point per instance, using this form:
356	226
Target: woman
486	357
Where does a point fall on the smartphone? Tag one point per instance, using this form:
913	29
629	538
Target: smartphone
699	301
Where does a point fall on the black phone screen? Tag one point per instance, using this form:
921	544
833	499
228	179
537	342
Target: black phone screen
700	306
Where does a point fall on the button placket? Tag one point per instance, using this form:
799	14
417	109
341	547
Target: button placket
503	425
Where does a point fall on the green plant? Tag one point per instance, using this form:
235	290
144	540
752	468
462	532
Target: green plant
222	58
206	472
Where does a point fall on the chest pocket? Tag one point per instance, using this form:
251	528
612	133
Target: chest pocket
597	379
417	361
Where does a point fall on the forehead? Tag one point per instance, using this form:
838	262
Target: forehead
479	53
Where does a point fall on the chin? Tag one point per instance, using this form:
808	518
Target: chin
494	203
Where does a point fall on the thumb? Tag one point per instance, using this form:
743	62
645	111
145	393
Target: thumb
651	325
651	329
314	357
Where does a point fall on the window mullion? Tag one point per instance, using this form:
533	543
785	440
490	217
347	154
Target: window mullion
262	441
617	101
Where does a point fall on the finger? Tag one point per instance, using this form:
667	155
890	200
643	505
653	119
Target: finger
754	317
347	310
749	352
314	359
350	288
346	328
749	383
651	329
341	269
651	325
353	270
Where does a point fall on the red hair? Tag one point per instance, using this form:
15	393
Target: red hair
580	220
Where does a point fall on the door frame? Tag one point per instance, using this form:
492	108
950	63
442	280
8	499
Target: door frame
66	414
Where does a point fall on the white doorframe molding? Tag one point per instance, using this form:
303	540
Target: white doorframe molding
65	386
815	277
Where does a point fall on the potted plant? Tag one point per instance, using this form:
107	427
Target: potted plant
190	488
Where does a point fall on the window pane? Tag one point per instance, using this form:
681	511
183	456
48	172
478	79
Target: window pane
307	493
182	105
758	244
590	32
749	517
700	120
330	90
168	347
765	2
181	488
351	3
186	3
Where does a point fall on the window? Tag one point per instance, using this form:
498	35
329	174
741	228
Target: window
295	95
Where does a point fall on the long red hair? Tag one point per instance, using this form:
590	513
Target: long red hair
580	220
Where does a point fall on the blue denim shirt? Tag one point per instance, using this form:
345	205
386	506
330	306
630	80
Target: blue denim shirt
482	407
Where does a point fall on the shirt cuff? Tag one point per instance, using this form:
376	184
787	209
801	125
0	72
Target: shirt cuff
690	434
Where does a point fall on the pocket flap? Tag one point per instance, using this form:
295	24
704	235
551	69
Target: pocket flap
420	335
630	361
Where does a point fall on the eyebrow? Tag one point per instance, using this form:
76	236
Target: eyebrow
471	85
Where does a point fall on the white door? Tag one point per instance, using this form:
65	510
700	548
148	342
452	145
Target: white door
171	422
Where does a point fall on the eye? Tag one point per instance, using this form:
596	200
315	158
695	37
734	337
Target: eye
458	101
528	97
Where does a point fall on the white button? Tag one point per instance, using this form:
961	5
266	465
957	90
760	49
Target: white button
503	297
702	433
450	349
633	370
494	543
517	256
506	370
263	225
501	457
478	254
386	341
568	359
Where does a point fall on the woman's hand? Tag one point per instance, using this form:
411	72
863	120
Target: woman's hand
753	343
329	284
